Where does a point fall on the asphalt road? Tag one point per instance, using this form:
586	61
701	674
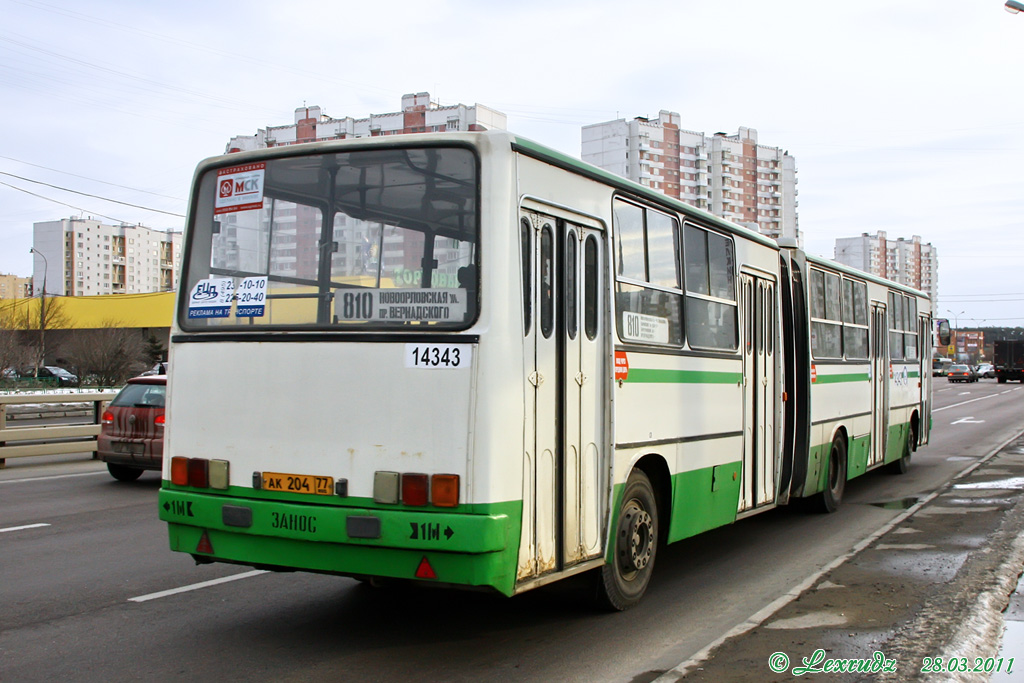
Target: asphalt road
91	592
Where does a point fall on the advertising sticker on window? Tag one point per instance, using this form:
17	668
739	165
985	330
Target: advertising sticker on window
211	298
251	296
239	188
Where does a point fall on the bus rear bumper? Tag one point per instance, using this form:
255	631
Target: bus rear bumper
444	547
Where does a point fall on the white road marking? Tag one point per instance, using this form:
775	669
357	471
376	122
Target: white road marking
56	476
963	403
196	586
19	528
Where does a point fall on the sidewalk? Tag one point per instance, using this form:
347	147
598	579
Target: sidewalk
932	584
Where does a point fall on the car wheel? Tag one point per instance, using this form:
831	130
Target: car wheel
123	472
624	579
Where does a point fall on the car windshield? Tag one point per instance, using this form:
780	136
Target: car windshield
141	396
958	368
368	239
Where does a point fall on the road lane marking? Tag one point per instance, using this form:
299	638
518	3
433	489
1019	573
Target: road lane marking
196	586
963	403
56	476
20	528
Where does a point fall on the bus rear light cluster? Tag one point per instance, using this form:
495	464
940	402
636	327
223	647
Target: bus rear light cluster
199	473
419	490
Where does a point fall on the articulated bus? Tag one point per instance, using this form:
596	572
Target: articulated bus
470	360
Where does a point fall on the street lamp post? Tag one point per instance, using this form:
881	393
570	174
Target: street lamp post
956	330
42	310
1014	7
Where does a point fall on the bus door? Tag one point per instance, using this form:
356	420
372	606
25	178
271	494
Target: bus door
879	383
759	347
562	506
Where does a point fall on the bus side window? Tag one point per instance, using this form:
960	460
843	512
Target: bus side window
590	288
547	281
526	240
571	286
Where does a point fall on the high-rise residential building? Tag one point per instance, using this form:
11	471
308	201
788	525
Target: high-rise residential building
418	115
909	262
15	287
82	256
295	250
731	176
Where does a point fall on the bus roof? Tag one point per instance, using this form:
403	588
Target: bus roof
833	265
548	155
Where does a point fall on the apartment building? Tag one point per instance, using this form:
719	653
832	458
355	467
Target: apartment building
909	262
82	257
731	176
418	115
294	251
15	287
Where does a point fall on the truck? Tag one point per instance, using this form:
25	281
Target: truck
1008	357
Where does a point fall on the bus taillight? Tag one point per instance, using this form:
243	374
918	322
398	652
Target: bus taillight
414	489
439	490
444	489
179	471
200	473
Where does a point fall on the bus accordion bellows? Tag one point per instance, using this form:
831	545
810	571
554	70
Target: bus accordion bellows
467	359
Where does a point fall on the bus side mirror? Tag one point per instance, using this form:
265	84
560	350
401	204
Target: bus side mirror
943	332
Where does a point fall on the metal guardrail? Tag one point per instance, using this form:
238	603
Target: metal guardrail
82	437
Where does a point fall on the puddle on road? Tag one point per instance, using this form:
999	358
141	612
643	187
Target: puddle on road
1012	645
900	504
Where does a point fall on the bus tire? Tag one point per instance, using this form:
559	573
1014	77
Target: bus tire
903	464
835	483
624	579
123	472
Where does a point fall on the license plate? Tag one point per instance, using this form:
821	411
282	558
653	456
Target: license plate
298	483
129	448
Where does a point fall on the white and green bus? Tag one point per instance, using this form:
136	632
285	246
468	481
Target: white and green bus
470	360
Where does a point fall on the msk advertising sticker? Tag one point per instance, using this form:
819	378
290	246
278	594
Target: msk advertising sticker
239	188
211	298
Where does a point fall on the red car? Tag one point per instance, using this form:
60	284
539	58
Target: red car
131	438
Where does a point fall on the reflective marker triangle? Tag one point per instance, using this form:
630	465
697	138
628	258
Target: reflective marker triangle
424	571
204	545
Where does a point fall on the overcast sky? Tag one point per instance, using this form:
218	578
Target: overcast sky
904	116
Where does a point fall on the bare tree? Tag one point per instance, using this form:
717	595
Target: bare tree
13	351
107	356
48	315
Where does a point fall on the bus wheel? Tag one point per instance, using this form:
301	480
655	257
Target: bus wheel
624	579
829	499
903	464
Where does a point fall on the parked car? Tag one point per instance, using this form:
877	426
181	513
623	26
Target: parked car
987	370
962	373
131	437
159	369
53	375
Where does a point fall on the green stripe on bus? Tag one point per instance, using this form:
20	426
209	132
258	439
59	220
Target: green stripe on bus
652	376
837	379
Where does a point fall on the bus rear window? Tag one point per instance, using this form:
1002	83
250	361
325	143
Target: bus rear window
372	239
